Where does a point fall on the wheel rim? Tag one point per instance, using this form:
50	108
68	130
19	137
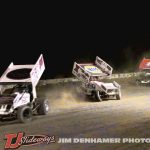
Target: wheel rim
27	114
46	106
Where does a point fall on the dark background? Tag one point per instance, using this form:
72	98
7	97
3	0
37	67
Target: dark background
121	37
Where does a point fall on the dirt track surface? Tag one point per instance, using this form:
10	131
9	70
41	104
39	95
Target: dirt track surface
73	116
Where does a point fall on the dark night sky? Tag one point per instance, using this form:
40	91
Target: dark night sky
65	38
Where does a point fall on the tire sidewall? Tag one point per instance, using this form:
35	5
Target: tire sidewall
118	96
20	114
98	96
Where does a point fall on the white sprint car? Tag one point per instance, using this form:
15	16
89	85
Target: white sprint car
91	75
18	97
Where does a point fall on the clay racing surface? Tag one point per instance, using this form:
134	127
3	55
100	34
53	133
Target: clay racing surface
72	115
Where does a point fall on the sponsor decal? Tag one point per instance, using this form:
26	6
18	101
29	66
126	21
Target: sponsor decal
92	69
37	70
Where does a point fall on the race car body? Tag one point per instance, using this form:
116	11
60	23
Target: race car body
91	75
18	96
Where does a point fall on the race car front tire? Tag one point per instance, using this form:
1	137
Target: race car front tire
24	114
98	96
138	82
43	107
118	96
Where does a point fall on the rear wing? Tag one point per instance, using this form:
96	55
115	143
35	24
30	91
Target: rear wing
24	73
89	72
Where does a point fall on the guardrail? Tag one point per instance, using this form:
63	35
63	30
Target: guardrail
65	80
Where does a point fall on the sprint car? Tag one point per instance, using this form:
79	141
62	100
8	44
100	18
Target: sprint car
143	77
91	76
18	97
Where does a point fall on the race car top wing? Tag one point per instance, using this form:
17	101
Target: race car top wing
28	73
86	72
144	64
16	74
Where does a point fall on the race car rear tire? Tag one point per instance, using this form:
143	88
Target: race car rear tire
98	96
43	107
24	114
118	96
138	82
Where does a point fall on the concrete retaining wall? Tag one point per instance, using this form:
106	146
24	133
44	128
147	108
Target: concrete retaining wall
64	80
